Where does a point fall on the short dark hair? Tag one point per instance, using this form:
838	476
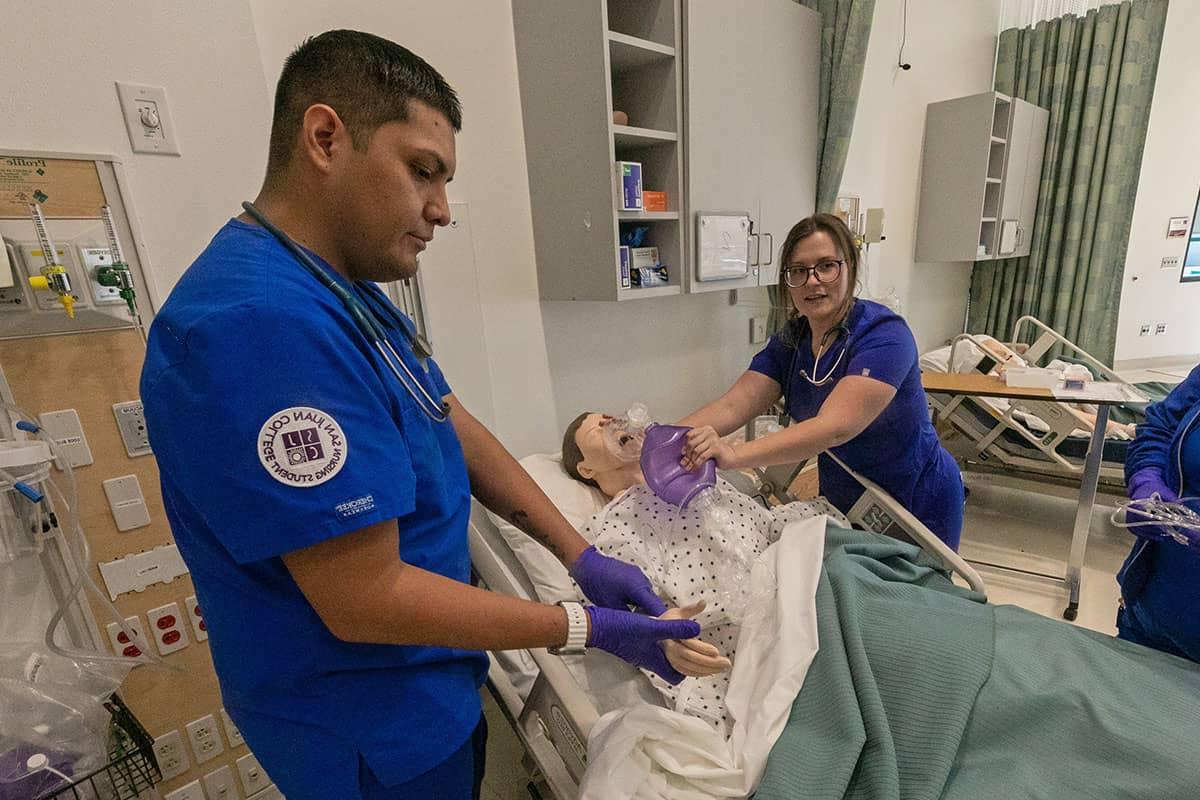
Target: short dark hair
571	454
366	79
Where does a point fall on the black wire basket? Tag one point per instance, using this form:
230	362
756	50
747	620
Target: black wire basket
131	768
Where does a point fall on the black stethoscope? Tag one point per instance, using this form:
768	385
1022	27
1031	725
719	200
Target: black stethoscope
816	368
368	324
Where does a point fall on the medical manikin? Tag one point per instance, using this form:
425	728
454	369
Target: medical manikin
698	559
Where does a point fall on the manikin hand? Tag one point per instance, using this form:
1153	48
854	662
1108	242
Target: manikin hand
692	657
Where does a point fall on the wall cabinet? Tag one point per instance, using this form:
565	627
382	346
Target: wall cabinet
980	172
750	99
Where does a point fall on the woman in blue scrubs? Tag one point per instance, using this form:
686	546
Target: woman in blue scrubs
1160	581
847	370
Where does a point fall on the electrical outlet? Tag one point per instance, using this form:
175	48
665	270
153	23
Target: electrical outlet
121	644
219	785
191	791
199	626
1169	262
231	732
206	742
172	759
127	503
1144	330
758	330
166	625
1160	329
64	428
252	774
131	422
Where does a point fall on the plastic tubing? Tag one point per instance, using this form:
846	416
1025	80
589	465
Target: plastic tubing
82	563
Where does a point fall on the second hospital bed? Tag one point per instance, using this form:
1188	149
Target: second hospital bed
553	702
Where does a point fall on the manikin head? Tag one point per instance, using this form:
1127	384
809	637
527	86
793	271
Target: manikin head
587	458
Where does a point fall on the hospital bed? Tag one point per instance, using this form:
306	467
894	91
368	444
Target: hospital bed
1028	437
552	702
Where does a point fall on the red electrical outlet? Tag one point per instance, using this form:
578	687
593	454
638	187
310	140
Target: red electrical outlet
166	626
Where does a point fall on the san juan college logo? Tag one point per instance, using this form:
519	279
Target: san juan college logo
301	446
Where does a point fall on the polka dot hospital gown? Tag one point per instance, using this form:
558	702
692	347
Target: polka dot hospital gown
692	555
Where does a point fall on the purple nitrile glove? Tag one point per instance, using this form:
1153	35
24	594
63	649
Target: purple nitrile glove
1149	481
638	639
1144	484
612	583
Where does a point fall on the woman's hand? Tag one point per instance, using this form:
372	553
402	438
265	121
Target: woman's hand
704	443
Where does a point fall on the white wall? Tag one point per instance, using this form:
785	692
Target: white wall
1168	186
471	44
60	62
951	46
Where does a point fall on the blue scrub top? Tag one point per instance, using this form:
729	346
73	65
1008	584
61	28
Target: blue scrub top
899	450
275	428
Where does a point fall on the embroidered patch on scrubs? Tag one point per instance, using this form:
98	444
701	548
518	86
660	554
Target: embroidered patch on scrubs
302	446
358	505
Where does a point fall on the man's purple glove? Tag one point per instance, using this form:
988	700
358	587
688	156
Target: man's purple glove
638	639
1144	484
616	584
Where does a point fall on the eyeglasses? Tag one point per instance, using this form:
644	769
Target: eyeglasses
826	271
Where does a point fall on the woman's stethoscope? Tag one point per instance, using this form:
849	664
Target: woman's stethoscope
815	381
368	324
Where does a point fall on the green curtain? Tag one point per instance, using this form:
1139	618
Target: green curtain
1095	74
845	34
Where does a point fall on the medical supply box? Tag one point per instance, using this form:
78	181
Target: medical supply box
625	266
654	201
629	186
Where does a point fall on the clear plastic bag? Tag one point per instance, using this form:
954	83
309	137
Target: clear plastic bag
54	727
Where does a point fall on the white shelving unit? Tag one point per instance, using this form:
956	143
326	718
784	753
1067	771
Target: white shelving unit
979	178
578	61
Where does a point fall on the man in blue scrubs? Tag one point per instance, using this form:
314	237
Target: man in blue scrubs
320	503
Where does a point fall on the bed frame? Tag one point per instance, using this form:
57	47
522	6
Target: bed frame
554	721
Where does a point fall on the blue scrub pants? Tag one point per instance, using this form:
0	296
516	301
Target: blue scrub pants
459	777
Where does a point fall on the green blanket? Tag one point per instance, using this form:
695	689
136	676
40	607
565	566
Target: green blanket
920	690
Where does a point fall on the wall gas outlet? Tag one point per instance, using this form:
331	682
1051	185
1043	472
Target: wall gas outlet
199	627
166	625
191	791
31	255
67	432
1144	330
219	785
206	741
172	759
12	295
1160	329
131	421
252	774
92	258
231	732
126	502
121	643
1169	262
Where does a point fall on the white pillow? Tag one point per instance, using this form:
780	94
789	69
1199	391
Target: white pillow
577	502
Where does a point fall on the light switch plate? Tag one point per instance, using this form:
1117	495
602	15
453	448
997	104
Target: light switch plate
219	785
1169	262
254	778
126	502
148	119
231	731
67	432
191	791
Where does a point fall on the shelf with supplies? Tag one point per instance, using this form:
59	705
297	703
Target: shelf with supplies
628	136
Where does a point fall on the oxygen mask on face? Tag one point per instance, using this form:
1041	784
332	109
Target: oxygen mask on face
624	435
